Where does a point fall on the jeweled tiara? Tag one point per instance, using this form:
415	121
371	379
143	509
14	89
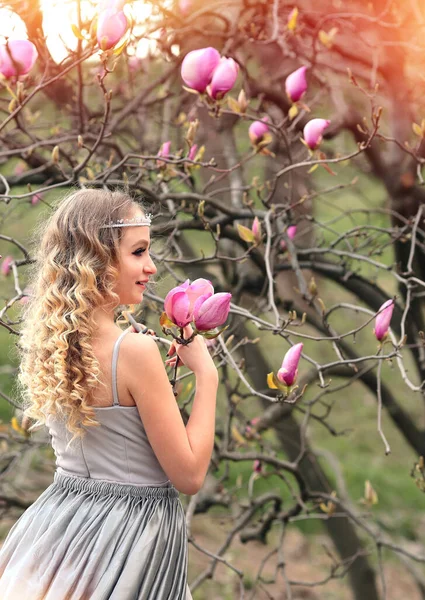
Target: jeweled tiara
134	222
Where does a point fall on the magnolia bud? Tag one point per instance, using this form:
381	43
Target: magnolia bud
190	136
242	101
55	155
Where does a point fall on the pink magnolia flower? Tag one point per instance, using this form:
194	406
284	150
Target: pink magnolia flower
111	26
313	132
19	169
24	55
6	265
192	152
177	308
27	291
223	78
296	84
257	466
211	312
383	319
37	197
199	288
291	232
180	302
198	67
288	372
256	229
165	150
257	130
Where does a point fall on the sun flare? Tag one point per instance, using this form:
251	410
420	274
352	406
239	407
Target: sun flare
60	15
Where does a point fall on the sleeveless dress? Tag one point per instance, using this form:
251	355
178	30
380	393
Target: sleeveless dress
111	525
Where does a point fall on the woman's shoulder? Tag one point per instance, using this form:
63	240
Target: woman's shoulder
138	342
141	355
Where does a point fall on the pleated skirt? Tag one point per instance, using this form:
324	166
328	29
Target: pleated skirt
87	539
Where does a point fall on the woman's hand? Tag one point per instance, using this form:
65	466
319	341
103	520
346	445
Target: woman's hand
194	355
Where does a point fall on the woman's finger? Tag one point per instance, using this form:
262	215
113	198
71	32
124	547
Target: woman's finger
187	331
171	362
171	349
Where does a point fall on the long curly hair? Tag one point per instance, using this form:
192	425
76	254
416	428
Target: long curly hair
74	272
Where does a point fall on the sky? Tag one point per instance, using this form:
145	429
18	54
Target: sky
59	15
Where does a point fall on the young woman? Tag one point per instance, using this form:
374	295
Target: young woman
111	525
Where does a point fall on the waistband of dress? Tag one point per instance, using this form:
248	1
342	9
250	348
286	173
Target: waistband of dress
114	488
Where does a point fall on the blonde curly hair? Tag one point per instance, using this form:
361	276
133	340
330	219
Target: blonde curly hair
74	272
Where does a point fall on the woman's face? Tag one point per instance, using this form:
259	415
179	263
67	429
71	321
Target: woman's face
135	263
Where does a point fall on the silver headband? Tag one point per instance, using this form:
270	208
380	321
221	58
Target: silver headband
134	222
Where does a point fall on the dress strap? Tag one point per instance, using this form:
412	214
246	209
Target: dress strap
114	367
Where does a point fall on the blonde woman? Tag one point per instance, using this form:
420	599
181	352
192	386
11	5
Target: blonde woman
111	525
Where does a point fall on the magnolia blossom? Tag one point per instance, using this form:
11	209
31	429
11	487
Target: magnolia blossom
180	302
290	232
198	67
257	130
192	152
296	84
313	132
111	26
164	151
17	57
37	197
383	319
210	312
256	229
19	169
223	78
257	466
27	291
6	265
288	372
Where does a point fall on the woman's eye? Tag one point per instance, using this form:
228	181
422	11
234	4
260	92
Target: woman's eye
139	251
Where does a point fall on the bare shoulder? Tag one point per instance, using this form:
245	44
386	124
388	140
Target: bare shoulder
138	349
139	340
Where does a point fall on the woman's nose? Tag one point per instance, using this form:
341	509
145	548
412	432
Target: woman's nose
150	266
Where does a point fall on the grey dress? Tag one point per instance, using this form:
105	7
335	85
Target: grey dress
110	526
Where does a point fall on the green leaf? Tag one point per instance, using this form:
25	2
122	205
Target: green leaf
417	129
274	383
245	233
212	333
270	381
77	32
292	112
233	104
164	321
